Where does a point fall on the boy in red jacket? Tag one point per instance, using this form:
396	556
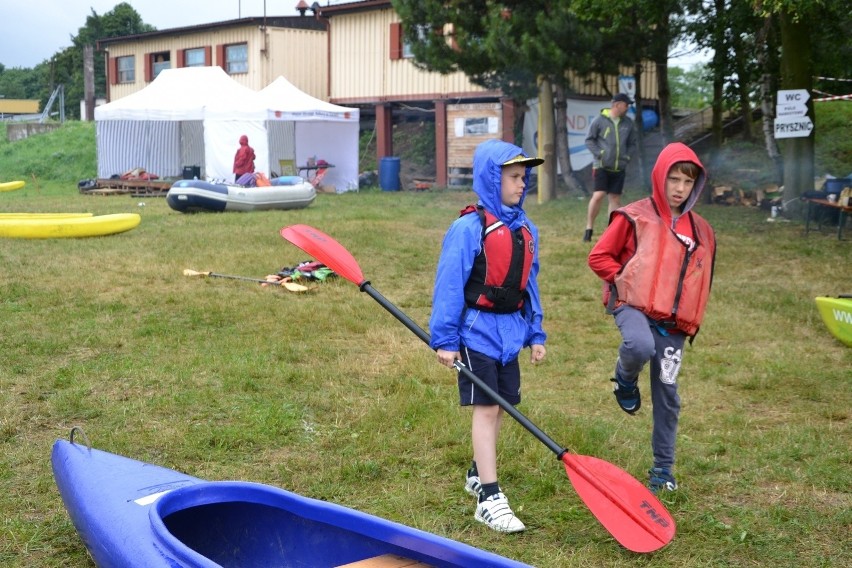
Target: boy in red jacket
656	259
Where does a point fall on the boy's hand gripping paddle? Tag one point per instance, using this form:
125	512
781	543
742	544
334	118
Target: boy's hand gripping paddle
625	507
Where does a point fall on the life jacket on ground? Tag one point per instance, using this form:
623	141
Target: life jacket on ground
645	281
501	270
260	180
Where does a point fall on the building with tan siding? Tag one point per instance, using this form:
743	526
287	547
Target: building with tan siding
351	54
253	51
371	68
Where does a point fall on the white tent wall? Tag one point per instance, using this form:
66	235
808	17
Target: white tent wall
222	140
322	129
282	143
337	144
194	116
160	147
275	140
160	128
192	144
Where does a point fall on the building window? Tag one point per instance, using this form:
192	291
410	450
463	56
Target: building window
406	45
126	69
195	57
236	58
160	61
400	47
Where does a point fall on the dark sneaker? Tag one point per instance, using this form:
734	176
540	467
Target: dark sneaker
661	479
587	236
627	395
473	486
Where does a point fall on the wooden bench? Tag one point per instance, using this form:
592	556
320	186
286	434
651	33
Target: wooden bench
842	210
386	561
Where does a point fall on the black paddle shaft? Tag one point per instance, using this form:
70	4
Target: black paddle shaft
245	278
511	410
232	277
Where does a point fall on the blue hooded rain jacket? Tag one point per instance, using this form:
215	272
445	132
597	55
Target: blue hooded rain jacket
453	323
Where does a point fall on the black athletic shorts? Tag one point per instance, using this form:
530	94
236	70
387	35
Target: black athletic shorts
505	380
609	181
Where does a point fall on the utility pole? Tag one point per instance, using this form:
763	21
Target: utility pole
546	146
89	82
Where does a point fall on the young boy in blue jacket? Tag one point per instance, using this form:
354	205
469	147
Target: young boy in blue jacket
486	308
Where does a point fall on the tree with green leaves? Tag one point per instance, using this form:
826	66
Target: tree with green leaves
635	32
514	46
66	66
762	46
800	22
690	88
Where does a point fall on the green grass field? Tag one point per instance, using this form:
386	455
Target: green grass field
325	394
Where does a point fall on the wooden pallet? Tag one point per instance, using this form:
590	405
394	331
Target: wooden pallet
133	187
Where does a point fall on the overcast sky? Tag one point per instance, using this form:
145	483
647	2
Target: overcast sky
31	31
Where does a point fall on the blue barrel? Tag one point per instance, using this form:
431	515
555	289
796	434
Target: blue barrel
650	119
389	173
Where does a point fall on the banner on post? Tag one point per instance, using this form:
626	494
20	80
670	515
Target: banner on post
578	119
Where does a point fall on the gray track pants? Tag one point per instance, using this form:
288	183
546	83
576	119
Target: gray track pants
643	342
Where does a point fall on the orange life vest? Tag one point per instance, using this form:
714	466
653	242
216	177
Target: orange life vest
501	270
645	280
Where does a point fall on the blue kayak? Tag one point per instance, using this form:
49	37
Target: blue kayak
135	514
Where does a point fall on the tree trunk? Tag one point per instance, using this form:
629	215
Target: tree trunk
546	147
642	161
89	82
661	59
563	152
666	125
743	87
797	73
767	105
719	58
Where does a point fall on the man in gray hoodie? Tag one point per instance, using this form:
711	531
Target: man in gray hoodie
611	140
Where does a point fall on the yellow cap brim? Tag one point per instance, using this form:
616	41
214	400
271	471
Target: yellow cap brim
524	161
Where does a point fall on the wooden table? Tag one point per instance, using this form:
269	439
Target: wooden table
842	210
315	169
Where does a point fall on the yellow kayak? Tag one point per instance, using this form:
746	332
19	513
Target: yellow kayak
837	315
42	215
68	227
11	185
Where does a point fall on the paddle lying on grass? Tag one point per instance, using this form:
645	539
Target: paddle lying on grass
292	286
625	507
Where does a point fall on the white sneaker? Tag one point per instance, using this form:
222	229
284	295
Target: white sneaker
473	486
496	513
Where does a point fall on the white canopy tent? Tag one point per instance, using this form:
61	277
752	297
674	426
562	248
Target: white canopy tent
297	127
160	128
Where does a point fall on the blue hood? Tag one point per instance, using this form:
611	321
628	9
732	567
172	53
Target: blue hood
487	175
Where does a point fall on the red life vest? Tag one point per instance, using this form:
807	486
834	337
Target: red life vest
645	281
501	270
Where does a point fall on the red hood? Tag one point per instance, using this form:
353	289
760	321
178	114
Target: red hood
671	154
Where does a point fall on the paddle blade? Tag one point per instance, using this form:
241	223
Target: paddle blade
625	507
292	286
326	250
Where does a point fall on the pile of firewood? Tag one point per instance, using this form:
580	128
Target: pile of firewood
762	197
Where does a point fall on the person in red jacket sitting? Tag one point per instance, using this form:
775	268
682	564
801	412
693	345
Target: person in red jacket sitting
656	259
244	159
